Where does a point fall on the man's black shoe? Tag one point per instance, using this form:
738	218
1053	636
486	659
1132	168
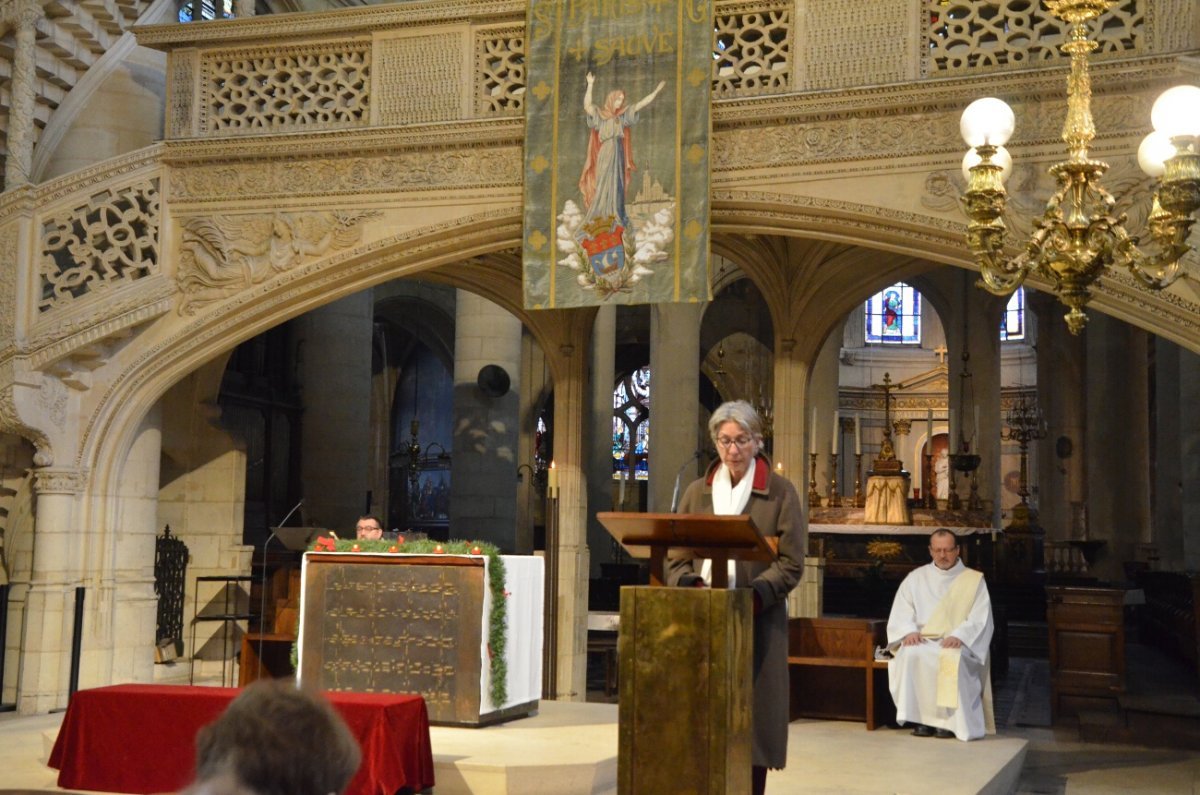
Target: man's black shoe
923	731
944	733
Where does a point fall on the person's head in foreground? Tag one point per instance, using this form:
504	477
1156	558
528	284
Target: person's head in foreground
275	739
943	548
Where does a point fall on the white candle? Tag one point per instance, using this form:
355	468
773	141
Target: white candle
857	435
812	434
834	445
929	429
552	482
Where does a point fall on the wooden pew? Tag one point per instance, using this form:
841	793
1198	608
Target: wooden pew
833	670
1170	618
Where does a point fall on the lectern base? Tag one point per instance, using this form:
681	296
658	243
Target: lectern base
685	685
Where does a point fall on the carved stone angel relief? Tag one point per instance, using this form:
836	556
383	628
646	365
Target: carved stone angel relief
224	254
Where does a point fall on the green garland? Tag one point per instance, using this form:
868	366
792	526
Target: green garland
497	619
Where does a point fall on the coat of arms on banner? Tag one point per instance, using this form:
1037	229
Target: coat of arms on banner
616	183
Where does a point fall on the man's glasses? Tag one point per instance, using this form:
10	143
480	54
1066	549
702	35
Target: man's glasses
742	442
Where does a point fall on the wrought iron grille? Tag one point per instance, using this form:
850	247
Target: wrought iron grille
170	566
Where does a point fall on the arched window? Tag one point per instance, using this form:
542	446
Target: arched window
1012	326
894	316
197	10
631	424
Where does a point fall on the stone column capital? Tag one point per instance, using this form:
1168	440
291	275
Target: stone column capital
22	13
59	480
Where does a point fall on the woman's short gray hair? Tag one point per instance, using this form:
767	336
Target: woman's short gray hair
738	411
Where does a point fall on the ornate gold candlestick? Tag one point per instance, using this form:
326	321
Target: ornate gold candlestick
859	497
835	499
974	503
814	499
953	502
1025	424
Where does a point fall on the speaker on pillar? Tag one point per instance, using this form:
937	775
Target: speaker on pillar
493	380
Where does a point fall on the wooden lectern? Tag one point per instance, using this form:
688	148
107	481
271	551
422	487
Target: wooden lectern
685	657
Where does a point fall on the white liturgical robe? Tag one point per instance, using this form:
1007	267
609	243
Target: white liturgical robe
913	675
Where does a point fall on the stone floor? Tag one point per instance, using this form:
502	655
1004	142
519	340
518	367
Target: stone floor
824	756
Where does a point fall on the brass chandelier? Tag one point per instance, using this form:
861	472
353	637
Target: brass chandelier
1078	237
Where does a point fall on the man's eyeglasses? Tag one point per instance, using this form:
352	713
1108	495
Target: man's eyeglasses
742	442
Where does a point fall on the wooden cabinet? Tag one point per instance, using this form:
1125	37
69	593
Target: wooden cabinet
1087	647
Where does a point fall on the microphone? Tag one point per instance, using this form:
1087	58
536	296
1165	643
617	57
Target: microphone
262	600
282	522
679	475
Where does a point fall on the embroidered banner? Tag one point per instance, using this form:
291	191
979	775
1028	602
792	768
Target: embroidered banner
616	151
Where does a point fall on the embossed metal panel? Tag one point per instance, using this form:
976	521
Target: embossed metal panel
379	624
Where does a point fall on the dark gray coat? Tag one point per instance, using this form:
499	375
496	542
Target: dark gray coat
775	509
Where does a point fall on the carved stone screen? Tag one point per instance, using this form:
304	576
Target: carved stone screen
384	624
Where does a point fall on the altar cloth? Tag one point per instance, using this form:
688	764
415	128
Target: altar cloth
892	529
142	738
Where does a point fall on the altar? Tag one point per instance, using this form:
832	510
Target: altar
425	624
864	563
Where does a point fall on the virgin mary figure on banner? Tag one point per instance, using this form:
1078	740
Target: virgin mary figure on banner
602	231
609	162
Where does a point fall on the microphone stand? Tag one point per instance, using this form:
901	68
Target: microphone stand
262	597
679	475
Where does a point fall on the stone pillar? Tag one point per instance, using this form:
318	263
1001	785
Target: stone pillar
121	604
334	359
1170	437
21	132
1189	456
1118	462
792	416
1061	364
484	464
675	387
45	658
571	394
824	395
531	501
974	328
599	436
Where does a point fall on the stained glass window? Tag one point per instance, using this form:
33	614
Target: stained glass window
1012	325
631	425
894	316
205	9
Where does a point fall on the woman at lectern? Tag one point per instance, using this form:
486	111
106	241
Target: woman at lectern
742	482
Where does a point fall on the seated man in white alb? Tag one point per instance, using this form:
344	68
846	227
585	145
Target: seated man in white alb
939	631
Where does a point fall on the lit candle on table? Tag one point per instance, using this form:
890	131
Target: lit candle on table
857	435
552	482
834	445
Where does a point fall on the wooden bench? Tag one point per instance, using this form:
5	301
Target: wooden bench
1170	618
833	670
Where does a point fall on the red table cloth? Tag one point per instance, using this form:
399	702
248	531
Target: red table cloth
141	738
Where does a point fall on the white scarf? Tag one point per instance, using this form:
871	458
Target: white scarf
728	500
